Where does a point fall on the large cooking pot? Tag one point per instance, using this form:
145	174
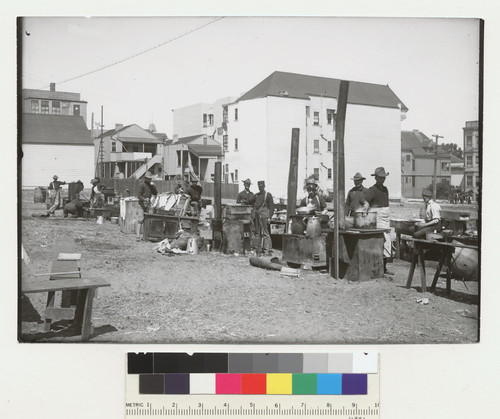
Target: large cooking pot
365	220
306	210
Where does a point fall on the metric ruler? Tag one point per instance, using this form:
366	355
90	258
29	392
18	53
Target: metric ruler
247	406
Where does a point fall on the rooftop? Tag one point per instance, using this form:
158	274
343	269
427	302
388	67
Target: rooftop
300	86
54	129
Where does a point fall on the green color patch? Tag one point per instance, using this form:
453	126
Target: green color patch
304	383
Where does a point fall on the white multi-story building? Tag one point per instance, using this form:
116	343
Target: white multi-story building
259	128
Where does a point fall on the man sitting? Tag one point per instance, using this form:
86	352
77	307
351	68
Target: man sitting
313	198
432	217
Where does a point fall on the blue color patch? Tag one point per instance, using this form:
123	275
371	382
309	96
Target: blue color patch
329	384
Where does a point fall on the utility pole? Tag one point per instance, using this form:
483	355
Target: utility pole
434	181
101	147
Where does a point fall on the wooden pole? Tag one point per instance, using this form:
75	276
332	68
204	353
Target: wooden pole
434	178
293	174
339	175
217	191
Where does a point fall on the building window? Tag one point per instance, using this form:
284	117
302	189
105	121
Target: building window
330	116
408	157
413	165
179	158
329	173
65	108
236	175
468	143
235	144
113	146
208	120
308	111
56	107
45	106
205	140
316	118
329	145
413	181
76	110
445	166
469	161
35	106
316	173
235	114
227	168
469	181
477	160
316	146
225	144
224	114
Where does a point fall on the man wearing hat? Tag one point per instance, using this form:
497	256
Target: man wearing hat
264	210
313	197
54	195
432	216
378	198
147	192
245	196
356	197
96	195
194	191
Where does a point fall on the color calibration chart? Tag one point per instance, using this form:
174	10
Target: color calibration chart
341	385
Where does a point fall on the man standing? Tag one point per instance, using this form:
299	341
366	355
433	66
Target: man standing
378	198
356	197
147	191
96	195
432	216
313	197
245	196
54	195
264	210
194	191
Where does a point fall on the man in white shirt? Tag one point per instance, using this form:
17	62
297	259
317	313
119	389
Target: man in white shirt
432	217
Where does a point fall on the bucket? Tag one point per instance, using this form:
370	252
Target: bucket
192	246
114	220
100	220
40	195
365	220
313	228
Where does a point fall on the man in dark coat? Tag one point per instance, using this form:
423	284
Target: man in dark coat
313	197
147	191
264	210
245	196
194	191
356	197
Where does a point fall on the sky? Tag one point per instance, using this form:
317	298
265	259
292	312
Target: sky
431	64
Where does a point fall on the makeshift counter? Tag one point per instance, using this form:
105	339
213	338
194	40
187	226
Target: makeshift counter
159	226
236	228
361	255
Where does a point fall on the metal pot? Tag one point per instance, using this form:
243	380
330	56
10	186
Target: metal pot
365	220
306	210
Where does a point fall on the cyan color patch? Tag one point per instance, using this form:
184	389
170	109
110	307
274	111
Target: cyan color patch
329	384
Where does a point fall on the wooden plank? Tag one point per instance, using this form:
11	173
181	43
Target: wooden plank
50	303
414	261
442	259
66	284
60	313
421	258
87	315
58	273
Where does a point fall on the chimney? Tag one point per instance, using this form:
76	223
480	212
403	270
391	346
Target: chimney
52	87
118	126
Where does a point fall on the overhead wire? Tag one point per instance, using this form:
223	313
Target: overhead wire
139	53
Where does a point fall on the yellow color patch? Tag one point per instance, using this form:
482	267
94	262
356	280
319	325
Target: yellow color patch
279	383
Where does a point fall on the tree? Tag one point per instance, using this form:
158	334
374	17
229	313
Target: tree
452	148
443	190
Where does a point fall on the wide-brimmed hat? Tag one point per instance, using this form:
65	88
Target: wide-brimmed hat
380	171
55	177
247	181
261	183
426	192
358	176
148	175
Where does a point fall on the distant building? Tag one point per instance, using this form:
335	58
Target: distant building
472	144
128	152
54	137
192	156
417	164
457	172
259	128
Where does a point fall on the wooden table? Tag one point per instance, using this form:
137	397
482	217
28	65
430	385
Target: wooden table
446	250
86	288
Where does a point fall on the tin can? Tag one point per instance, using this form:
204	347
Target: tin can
208	247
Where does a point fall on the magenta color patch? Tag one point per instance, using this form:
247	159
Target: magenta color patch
228	384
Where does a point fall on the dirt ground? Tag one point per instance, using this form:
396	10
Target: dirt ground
216	298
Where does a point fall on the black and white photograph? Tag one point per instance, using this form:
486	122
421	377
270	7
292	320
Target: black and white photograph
249	180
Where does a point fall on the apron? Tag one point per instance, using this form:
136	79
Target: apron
384	222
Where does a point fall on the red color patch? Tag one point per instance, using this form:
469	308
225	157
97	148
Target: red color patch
253	383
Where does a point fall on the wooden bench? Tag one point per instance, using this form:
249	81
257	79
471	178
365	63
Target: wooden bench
86	288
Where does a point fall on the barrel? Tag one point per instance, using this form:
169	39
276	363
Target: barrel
40	195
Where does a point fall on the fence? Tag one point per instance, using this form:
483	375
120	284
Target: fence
228	190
